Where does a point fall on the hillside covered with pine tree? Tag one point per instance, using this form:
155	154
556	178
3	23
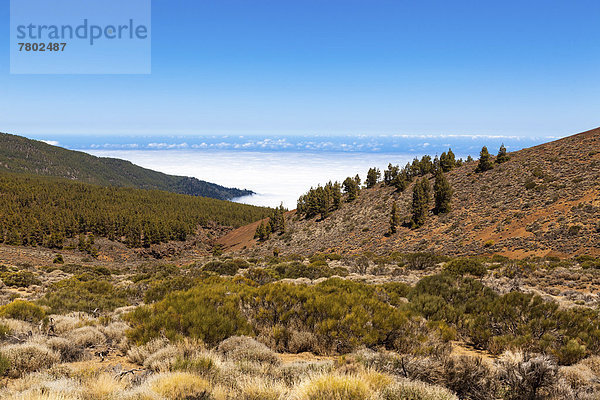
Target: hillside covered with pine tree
21	155
51	212
539	201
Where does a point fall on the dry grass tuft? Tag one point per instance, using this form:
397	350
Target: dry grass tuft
162	360
69	352
104	386
139	354
28	357
17	326
243	348
333	387
87	336
261	389
415	390
180	386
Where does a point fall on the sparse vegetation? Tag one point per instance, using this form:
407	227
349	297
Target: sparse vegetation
280	321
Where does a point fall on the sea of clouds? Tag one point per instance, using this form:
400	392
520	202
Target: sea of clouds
280	169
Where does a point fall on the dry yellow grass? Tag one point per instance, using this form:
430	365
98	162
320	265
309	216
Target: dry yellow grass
103	387
414	390
180	385
28	357
333	387
262	389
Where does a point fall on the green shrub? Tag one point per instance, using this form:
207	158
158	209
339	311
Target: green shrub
209	312
159	289
58	259
465	266
222	268
315	270
20	279
4	331
200	364
421	261
85	295
23	310
155	272
260	276
341	314
4	364
513	320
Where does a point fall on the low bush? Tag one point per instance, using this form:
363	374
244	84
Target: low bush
163	359
4	364
87	336
139	354
527	376
222	268
260	276
421	261
415	390
180	386
21	279
315	270
28	357
209	312
4	331
341	314
259	389
514	320
333	387
159	289
103	386
204	363
465	266
243	348
22	310
69	352
83	295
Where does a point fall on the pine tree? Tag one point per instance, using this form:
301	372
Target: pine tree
469	159
484	161
277	220
451	158
325	201
447	161
442	193
351	188
394	219
263	232
390	174
502	157
81	245
337	195
420	203
373	177
400	183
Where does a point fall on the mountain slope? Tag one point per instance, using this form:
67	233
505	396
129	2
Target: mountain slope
544	201
22	155
46	211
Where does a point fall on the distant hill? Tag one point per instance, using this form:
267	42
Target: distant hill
22	155
544	201
47	211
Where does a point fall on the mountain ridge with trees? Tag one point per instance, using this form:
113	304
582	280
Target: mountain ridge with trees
22	155
538	201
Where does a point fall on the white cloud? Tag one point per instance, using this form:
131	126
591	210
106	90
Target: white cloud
51	142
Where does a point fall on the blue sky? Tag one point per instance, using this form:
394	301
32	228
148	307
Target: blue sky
283	67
